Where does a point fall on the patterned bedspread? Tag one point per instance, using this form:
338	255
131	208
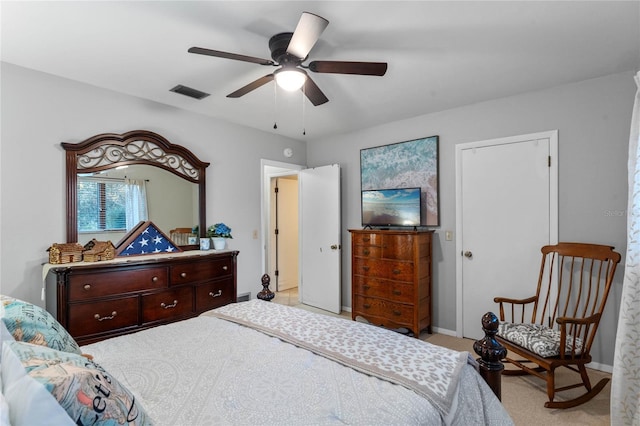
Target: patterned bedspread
207	370
431	371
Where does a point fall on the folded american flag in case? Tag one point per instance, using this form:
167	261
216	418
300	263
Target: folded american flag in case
146	238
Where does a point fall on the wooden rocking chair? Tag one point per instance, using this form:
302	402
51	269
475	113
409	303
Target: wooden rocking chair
563	317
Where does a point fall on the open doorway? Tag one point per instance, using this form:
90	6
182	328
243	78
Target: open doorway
283	233
280	227
319	251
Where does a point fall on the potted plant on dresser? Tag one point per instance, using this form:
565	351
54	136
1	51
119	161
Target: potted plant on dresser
219	234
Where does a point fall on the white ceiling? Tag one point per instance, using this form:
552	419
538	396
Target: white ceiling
441	54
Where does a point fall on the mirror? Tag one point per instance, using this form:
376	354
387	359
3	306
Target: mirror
174	179
178	210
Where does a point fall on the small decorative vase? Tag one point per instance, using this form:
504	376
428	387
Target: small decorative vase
204	243
219	243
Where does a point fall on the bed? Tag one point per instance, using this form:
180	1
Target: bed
252	363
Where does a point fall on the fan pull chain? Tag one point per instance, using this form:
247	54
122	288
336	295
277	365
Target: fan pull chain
304	130
275	106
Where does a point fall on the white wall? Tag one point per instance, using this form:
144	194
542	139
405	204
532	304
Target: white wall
39	111
593	119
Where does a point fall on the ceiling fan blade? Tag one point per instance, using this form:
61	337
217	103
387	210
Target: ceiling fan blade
306	34
346	67
251	86
313	92
235	56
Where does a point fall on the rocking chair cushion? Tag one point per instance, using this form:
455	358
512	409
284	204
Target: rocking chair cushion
539	339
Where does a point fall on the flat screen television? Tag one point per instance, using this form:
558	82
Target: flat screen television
391	207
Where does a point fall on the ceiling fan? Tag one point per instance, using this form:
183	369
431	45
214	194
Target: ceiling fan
289	51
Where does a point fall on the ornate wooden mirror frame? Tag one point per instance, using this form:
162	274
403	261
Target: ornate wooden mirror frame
110	150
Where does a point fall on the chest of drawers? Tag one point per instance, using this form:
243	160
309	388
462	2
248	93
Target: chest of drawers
104	299
391	278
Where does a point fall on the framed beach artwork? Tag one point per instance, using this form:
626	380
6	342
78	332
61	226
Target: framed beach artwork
407	164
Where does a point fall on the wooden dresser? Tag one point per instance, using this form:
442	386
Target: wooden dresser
391	278
104	299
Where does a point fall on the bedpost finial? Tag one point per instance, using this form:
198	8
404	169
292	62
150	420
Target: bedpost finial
490	323
489	349
491	352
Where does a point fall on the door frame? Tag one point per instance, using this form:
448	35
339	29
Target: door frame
552	135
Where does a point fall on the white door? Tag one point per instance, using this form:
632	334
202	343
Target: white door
320	244
506	211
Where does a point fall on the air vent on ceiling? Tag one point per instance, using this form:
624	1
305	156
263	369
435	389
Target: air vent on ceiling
188	91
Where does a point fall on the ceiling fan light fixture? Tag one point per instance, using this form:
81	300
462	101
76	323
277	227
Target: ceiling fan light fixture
290	79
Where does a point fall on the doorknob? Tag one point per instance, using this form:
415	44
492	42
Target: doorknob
468	254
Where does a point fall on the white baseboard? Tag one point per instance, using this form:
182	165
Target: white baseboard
443	331
600	367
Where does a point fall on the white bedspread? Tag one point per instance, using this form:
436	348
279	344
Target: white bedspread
206	371
429	370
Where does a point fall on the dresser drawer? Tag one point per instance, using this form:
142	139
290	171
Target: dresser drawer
91	285
385	322
167	304
99	317
401	271
365	239
367	251
398	247
194	272
385	289
214	295
396	312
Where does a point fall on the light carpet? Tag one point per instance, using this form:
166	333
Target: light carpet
524	396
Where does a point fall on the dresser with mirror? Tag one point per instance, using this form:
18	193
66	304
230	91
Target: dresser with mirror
97	300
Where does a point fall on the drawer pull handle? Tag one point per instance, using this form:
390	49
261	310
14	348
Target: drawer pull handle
154	279
366	287
366	268
397	271
366	252
109	317
183	274
397	313
366	239
87	287
396	292
172	305
366	306
218	294
225	267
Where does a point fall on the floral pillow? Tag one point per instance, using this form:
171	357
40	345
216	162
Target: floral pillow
33	324
88	393
537	338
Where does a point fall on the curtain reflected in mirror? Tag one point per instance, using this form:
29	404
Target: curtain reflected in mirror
135	205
